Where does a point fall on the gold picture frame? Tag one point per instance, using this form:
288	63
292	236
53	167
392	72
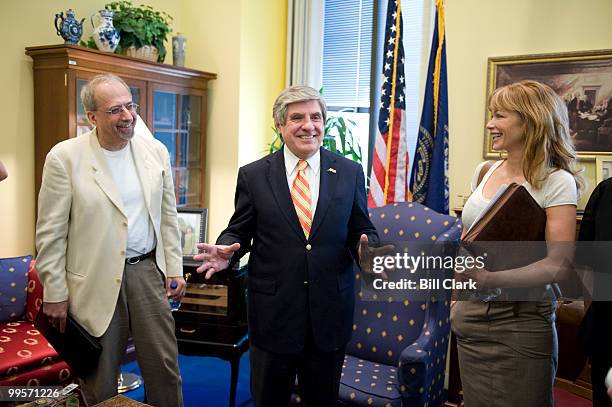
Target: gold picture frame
193	223
603	168
583	79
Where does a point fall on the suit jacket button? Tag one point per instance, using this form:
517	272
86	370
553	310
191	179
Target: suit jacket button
308	247
305	282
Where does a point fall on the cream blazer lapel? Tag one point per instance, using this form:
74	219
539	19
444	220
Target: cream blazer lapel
102	173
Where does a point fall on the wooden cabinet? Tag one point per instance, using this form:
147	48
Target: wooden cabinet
172	102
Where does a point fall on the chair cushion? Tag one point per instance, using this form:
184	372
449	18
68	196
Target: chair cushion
23	348
13	282
54	374
366	383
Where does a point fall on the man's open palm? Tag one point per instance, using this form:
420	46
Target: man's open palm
215	257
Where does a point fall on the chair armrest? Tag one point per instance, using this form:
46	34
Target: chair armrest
422	364
34	297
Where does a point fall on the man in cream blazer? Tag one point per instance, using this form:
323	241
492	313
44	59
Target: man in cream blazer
109	245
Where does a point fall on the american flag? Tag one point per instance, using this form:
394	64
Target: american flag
390	164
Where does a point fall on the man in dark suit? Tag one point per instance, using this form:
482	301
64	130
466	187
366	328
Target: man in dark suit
585	105
300	284
596	329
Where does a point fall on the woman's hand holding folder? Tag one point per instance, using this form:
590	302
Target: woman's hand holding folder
479	276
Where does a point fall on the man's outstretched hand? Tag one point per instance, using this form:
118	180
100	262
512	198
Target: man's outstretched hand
215	257
367	254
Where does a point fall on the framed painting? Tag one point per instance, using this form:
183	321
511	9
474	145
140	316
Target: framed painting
192	225
603	168
582	79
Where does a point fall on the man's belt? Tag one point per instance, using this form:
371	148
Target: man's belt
138	259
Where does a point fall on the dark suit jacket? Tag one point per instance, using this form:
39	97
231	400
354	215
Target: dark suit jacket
291	281
596	330
596	225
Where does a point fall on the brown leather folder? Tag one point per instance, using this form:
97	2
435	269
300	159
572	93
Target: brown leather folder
514	217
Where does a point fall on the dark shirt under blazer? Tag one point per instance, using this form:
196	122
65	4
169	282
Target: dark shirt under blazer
293	281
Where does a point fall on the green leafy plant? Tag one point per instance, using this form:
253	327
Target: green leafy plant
140	25
89	44
338	138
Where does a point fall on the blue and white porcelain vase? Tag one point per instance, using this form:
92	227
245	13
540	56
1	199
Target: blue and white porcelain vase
69	27
105	35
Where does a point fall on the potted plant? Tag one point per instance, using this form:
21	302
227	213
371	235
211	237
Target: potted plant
139	27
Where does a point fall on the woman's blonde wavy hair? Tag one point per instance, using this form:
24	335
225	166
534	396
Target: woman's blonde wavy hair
548	145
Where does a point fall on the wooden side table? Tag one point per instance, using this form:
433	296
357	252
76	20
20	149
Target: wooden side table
212	319
226	343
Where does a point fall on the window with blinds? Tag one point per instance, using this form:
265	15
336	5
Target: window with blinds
347	54
350	31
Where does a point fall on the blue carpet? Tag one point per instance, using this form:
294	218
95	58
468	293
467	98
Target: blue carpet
206	381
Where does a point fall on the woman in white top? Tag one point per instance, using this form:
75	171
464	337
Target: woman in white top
508	350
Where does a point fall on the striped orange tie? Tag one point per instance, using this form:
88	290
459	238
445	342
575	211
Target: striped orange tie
300	195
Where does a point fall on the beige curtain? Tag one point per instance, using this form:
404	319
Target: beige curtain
305	42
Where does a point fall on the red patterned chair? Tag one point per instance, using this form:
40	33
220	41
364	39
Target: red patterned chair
26	358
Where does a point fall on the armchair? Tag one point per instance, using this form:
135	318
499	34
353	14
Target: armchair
26	358
397	354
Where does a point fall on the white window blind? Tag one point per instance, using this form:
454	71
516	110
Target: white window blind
347	53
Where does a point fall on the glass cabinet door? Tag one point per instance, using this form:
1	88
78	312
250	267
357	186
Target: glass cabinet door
176	123
82	123
191	106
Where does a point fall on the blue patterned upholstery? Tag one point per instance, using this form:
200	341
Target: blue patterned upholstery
13	284
397	355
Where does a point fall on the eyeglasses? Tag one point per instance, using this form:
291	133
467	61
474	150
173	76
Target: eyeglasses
115	110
